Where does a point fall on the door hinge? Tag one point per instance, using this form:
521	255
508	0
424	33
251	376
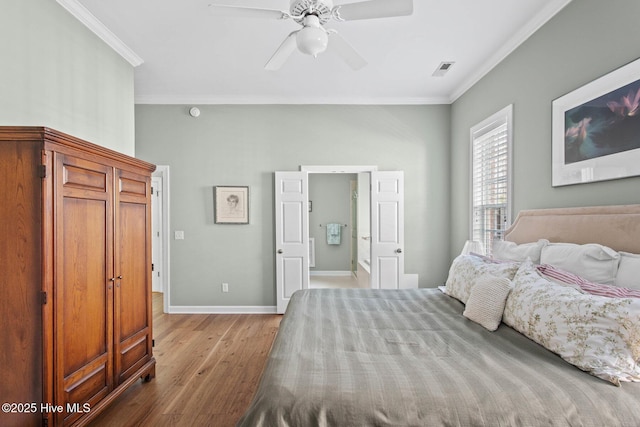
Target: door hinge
45	422
152	191
43	297
42	171
152	267
153	343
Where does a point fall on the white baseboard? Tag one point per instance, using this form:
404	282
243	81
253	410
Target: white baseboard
221	309
329	273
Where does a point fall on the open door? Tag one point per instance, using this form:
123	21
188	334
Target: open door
387	229
292	235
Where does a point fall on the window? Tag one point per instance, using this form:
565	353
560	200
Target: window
491	177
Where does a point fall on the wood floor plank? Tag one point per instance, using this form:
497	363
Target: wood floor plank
208	367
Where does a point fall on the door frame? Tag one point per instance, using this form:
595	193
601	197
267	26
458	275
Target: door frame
157	265
162	171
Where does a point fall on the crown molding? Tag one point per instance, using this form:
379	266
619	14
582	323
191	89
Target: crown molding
240	100
512	44
99	29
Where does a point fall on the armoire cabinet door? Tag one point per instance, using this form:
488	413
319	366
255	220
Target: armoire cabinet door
83	225
132	311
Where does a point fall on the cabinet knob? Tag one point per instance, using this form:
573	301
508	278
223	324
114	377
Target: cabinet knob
119	277
113	279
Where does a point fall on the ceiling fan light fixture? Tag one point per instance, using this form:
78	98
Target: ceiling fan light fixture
312	39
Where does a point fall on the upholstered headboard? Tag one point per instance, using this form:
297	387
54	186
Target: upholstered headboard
615	226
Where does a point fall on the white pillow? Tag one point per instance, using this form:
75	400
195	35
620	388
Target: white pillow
597	334
594	262
514	252
486	301
628	271
467	269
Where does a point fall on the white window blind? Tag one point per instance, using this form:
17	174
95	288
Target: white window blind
490	178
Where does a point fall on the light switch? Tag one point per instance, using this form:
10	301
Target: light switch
179	235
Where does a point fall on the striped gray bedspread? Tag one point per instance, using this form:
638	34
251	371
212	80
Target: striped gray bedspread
363	357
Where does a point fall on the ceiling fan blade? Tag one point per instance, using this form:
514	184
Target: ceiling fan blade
344	50
372	9
246	12
282	54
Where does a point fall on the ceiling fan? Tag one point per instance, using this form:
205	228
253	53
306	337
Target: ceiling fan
313	38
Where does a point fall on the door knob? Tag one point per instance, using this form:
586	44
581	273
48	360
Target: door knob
398	251
280	251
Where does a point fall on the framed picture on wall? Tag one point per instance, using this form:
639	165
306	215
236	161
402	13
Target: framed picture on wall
231	204
596	129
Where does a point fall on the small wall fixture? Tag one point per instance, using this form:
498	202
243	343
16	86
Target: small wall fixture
194	112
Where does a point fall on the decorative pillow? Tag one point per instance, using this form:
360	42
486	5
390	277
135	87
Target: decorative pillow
514	252
628	271
596	334
465	271
585	285
486	301
594	262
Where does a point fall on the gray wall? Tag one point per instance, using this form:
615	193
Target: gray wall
586	40
57	73
331	197
244	145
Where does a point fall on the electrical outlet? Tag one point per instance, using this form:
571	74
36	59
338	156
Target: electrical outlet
179	235
225	287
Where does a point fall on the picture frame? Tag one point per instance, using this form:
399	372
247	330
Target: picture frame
596	129
231	204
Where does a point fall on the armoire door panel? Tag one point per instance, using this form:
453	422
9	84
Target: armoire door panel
83	290
132	326
88	386
130	295
132	187
80	177
83	227
133	353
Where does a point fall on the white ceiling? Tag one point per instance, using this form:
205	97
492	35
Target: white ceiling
190	56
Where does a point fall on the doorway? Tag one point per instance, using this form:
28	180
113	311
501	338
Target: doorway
160	282
386	240
333	229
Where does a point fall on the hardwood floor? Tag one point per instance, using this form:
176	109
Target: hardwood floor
208	367
335	282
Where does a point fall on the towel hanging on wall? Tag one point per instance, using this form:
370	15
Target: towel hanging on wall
333	233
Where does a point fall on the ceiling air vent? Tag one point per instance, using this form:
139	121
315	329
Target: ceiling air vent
443	68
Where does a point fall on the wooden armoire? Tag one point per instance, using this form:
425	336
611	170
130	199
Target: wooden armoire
75	277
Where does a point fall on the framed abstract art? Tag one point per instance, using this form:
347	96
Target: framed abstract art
596	129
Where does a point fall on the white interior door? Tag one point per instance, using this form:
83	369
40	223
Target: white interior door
292	235
156	234
387	229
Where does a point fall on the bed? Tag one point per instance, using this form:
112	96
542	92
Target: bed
364	357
